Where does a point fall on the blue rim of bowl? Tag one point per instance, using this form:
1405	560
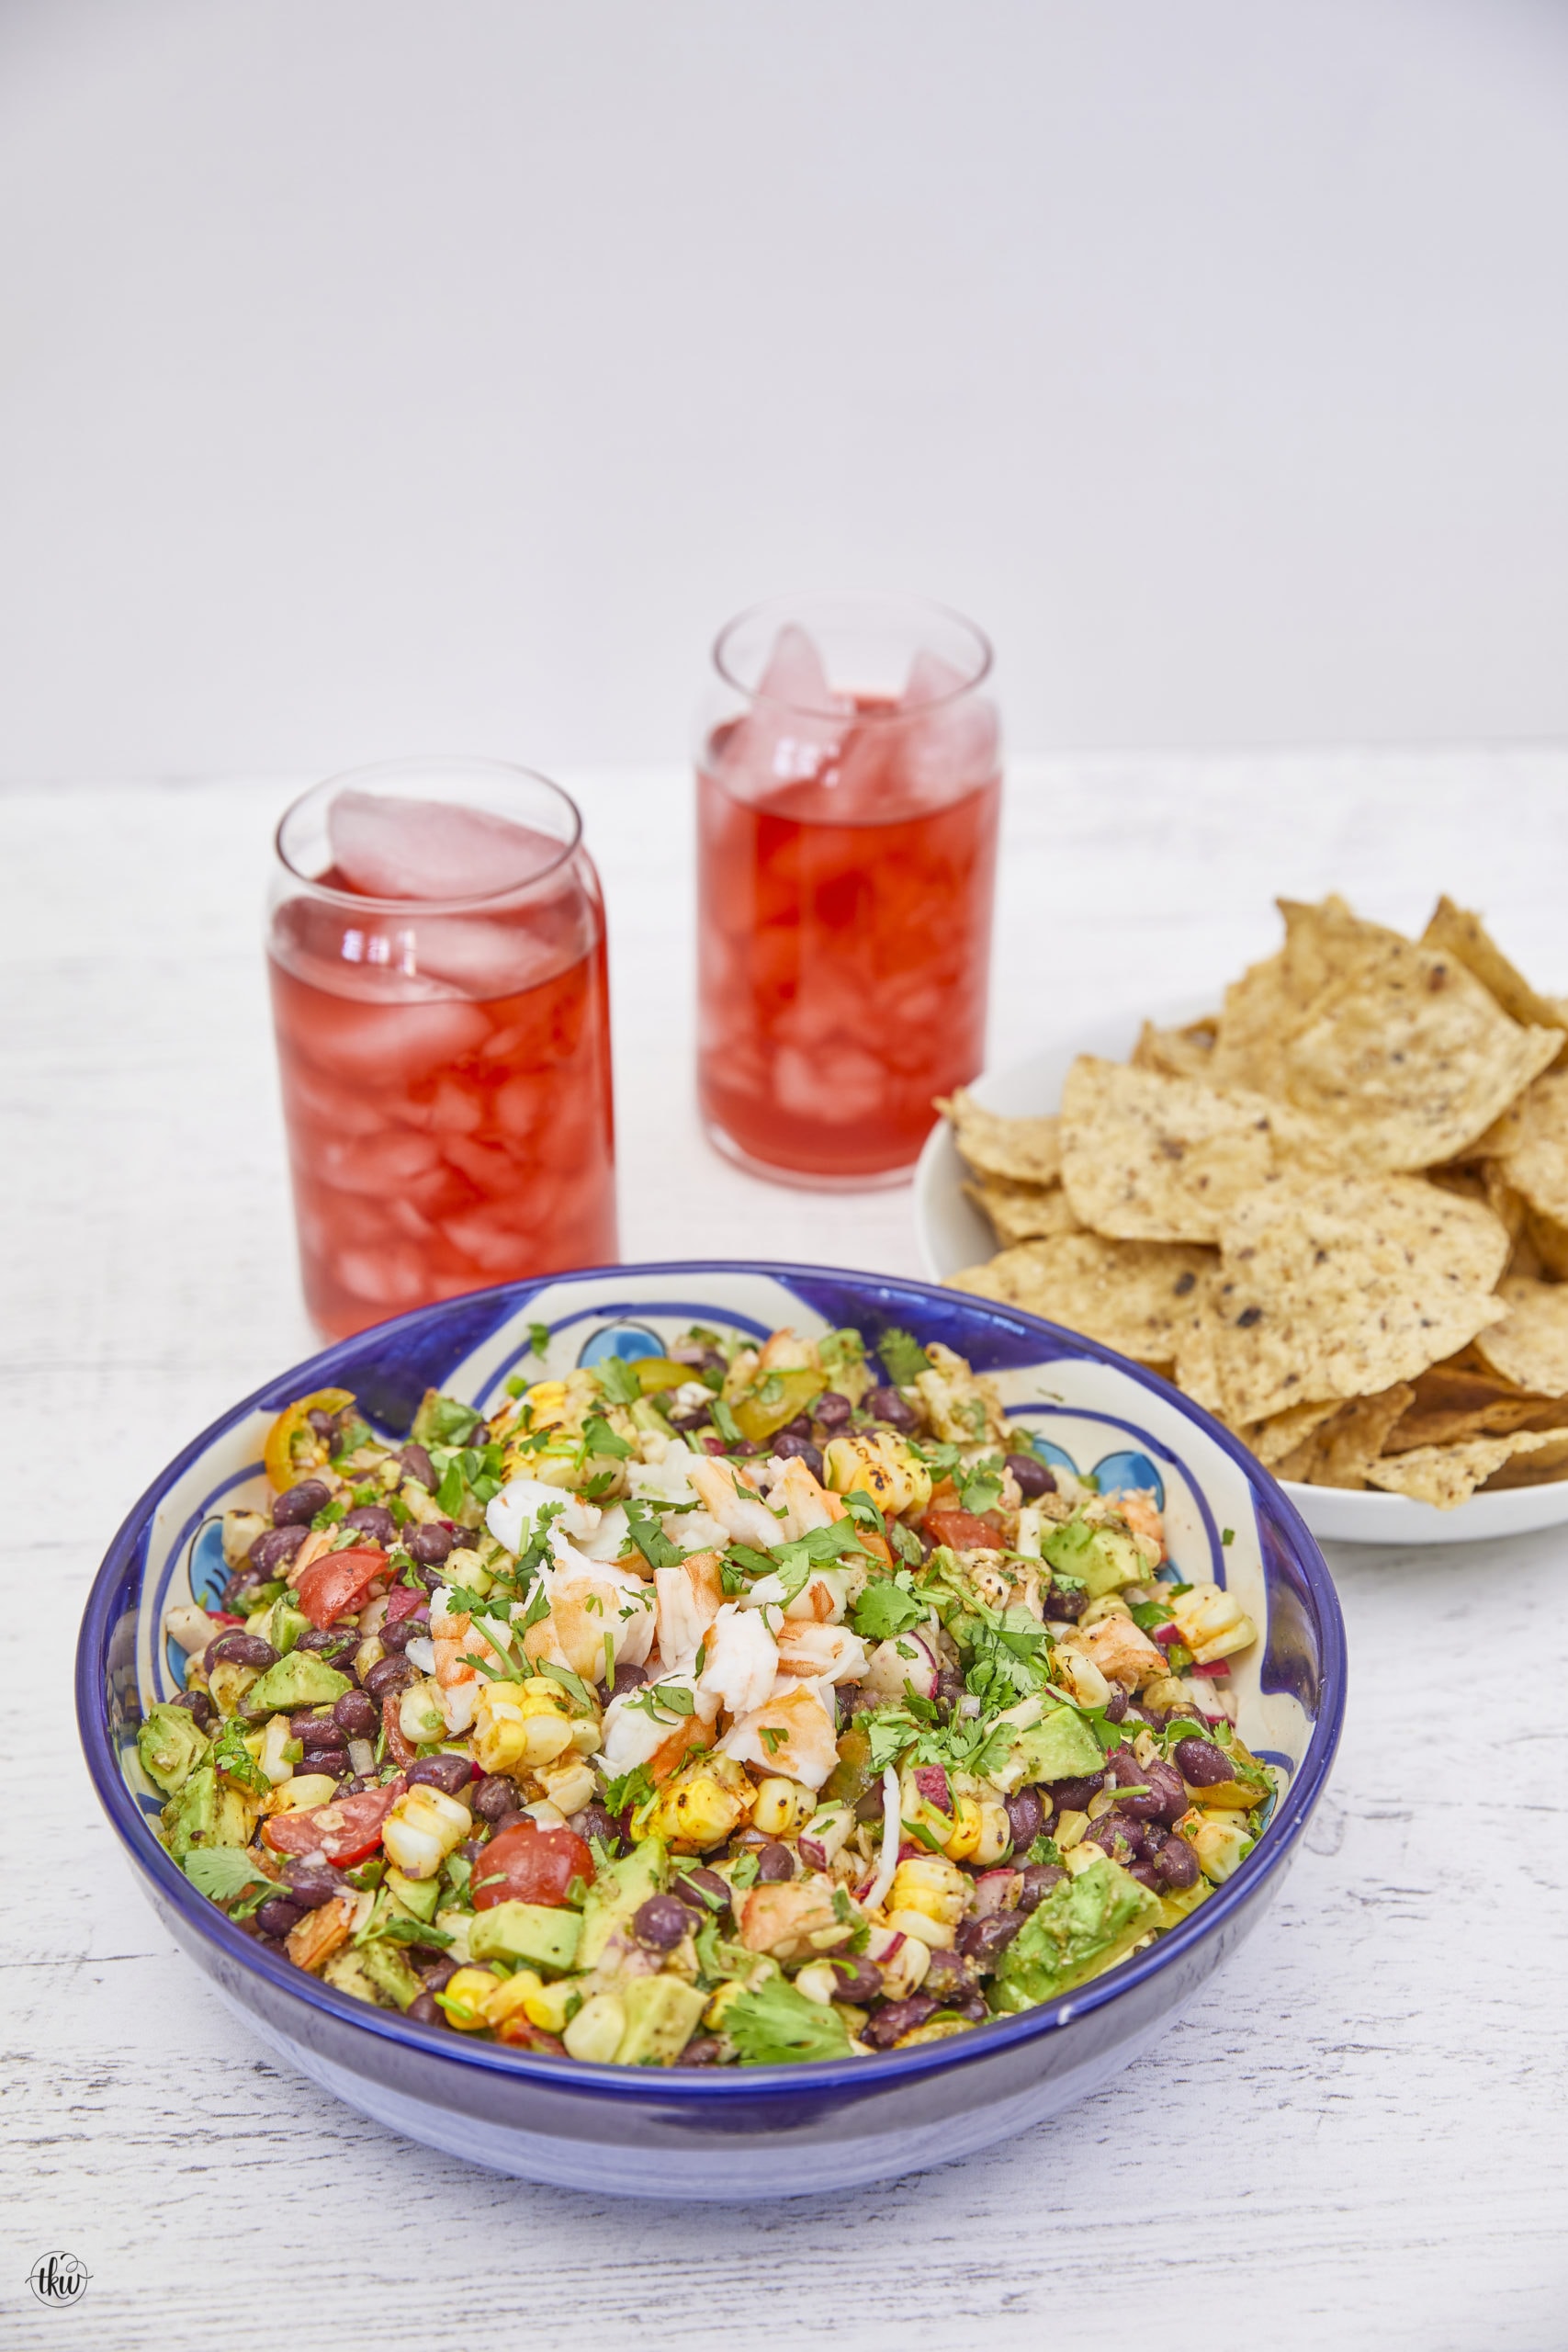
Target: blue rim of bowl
695	2086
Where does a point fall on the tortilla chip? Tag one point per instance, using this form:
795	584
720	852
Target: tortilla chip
1446	1475
1343	1451
1337	1285
1022	1212
1149	1158
1287	1434
1134	1296
1529	1347
1529	1148
1029	1151
1461	1398
1456	932
1400	1043
1178	1053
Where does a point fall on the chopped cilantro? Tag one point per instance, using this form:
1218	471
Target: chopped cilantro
539	1340
725	1422
603	1441
223	1872
773	1738
618	1380
775	2026
982	1486
633	1788
885	1609
862	1510
903	1358
1227	1535
649	1537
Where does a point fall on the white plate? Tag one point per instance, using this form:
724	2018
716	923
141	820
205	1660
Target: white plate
952	1234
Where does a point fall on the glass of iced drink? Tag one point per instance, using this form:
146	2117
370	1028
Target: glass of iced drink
436	945
848	779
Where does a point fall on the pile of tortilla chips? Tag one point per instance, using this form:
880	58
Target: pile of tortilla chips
1335	1213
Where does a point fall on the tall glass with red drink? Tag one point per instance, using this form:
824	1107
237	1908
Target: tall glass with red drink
435	946
848	779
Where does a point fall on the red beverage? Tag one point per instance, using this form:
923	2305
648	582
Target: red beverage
845	916
445	1063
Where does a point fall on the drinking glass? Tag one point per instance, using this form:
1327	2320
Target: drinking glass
848	789
435	946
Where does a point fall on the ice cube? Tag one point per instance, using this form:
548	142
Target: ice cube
954	741
386	1043
794	727
390	848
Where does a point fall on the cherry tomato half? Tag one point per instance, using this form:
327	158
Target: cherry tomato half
962	1531
345	1831
339	1581
530	1865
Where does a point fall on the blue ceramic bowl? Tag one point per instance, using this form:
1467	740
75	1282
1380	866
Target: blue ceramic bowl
751	2131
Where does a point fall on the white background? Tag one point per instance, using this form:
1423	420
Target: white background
378	376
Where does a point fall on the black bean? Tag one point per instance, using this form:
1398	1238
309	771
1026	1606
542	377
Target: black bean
241	1649
705	1892
1156	1717
596	1821
695	1417
517	1820
495	1795
373	1519
629	1677
439	1974
774	1862
415	1462
311	1883
1073	1796
1116	1706
859	1981
1115	1834
396	1635
899	2017
703	2050
661	1922
389	1674
1198	1761
831	1411
356	1716
886	1404
324	1423
1176	1864
949	1977
317	1734
1066	1603
1034	1477
451	1774
426	2009
328	1637
1038	1880
428	1543
199	1705
985	1939
1026	1817
800	1449
298	1506
1166	1799
949	1688
472	1848
873	1805
1146	1874
273	1547
276	1915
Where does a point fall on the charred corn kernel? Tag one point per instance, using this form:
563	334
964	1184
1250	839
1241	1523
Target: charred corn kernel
964	1842
513	1993
881	1466
465	1997
920	1928
595	2032
569	1783
228	1684
930	1885
782	1806
1082	1677
704	1805
548	2005
819	1980
996	1832
423	1826
520	1725
1068	1831
1212	1623
937	2030
904	1965
544	1404
271	1759
420	1718
303	1790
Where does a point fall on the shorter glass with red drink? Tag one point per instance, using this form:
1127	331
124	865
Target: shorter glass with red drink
848	782
435	946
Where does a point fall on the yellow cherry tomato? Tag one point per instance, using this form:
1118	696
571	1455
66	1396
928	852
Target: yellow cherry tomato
281	1467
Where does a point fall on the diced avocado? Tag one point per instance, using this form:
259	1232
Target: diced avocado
207	1812
1085	1925
304	1678
170	1747
389	1972
534	1935
346	1970
618	1890
1102	1558
662	2017
1062	1747
286	1623
418	1896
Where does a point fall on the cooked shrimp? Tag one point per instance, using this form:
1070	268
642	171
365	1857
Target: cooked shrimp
741	1660
792	1734
827	1652
739	1510
690	1598
804	1503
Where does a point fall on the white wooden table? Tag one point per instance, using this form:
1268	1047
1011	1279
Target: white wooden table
1353	2138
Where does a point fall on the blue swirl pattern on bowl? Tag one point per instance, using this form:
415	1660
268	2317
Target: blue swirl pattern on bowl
754	2132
